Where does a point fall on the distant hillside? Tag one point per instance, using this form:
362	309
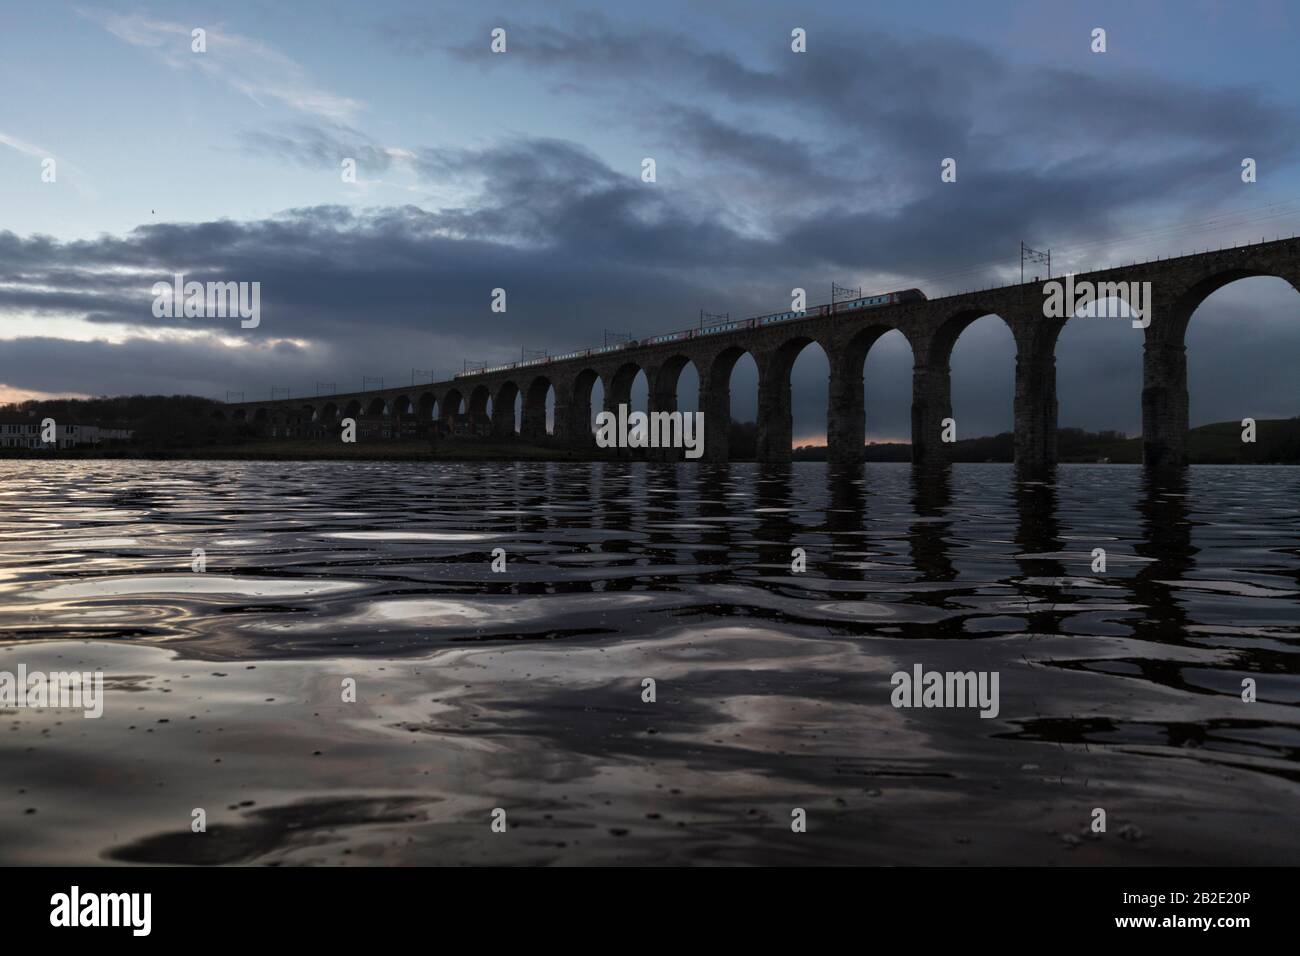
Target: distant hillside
1277	441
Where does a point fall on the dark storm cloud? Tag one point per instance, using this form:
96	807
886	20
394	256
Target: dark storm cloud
1052	155
911	97
780	160
910	103
574	245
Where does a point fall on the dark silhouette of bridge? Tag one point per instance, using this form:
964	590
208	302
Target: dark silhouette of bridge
1178	286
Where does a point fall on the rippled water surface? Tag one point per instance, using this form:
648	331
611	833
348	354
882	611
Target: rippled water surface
522	690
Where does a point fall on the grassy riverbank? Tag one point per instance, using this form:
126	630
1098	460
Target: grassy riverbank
1277	442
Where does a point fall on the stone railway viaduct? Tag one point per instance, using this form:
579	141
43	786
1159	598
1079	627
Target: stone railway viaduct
1178	286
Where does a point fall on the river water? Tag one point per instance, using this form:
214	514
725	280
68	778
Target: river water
522	691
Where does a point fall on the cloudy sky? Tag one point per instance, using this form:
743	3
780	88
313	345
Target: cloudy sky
522	170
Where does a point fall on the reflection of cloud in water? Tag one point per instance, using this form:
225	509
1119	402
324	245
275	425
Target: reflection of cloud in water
1232	587
193	583
408	536
85	543
494	612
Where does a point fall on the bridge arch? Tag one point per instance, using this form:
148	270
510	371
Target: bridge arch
618	386
938	347
775	398
1174	328
578	421
532	424
716	372
377	406
303	421
663	390
1095	396
479	400
1165	396
503	410
932	376
664	393
428	407
846	404
353	410
401	411
887	387
450	407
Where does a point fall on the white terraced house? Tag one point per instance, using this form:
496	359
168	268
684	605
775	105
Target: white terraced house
24	431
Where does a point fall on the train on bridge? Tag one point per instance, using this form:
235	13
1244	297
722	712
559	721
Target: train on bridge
758	321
